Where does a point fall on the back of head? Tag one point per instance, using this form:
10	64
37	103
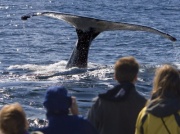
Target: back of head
126	69
13	119
166	82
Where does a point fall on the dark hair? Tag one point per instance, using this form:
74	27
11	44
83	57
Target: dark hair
126	69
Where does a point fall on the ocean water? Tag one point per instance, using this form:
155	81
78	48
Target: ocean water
34	53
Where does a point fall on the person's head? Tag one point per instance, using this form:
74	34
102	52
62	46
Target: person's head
166	82
13	119
126	69
57	100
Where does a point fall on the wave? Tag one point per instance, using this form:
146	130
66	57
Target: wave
57	71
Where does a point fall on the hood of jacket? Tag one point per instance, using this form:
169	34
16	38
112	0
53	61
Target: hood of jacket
164	107
118	93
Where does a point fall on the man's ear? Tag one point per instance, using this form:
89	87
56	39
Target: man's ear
115	77
136	78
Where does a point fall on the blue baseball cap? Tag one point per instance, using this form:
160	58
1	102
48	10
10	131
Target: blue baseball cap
57	99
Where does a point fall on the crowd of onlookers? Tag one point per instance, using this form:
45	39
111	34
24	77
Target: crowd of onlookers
120	110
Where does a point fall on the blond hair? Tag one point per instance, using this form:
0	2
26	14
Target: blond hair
166	80
13	119
126	69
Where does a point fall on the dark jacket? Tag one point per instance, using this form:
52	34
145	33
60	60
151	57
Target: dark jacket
57	103
115	112
67	124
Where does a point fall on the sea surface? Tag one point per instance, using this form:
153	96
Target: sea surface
34	53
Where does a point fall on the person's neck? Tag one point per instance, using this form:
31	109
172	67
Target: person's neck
133	82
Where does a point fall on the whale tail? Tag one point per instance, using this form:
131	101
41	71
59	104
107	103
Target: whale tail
88	29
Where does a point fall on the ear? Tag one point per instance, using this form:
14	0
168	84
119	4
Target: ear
135	79
115	77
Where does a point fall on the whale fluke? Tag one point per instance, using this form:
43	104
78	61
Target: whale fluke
88	29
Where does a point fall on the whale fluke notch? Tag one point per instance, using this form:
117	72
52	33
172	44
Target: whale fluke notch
88	29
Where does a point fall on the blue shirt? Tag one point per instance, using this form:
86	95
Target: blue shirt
68	124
